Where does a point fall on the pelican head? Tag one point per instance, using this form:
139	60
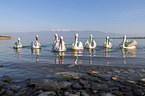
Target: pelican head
91	35
76	35
61	37
107	37
55	34
18	39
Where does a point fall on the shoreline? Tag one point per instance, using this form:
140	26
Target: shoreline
5	37
79	81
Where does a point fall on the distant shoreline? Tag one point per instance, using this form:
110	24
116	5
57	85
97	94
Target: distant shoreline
5	37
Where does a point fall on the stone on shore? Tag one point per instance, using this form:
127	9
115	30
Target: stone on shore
72	75
49	93
15	88
92	72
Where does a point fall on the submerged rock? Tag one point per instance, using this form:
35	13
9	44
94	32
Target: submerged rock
69	74
6	78
92	72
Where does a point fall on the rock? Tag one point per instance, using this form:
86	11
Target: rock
76	86
49	93
87	86
72	75
24	91
9	93
92	72
6	78
128	93
2	91
118	93
129	83
2	84
97	86
84	93
38	92
143	80
114	77
107	94
67	93
65	84
138	92
15	88
110	84
45	84
83	82
76	94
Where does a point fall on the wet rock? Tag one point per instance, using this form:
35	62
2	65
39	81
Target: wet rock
125	88
72	75
83	82
114	78
2	84
67	93
76	94
129	83
92	72
128	94
49	93
24	91
97	86
76	86
45	84
87	86
9	93
38	92
65	84
107	94
138	92
84	93
15	88
2	91
6	78
110	84
118	93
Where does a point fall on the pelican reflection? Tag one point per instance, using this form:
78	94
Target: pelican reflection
128	53
59	57
76	54
36	52
92	52
18	51
106	52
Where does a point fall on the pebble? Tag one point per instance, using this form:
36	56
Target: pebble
48	93
15	88
6	78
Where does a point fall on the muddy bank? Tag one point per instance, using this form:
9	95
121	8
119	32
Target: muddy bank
69	80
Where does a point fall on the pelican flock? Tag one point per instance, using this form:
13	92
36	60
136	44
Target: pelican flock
18	44
77	45
37	44
90	45
59	44
107	43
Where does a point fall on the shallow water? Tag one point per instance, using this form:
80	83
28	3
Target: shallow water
25	63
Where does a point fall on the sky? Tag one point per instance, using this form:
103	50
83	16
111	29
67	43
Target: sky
114	16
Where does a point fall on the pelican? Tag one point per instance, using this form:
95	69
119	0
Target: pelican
56	38
107	44
130	45
37	44
18	44
90	45
59	46
77	45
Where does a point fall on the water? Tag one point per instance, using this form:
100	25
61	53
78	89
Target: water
26	63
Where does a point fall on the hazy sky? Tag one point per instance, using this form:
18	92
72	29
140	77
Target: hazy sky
116	16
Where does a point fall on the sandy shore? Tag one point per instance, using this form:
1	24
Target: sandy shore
78	80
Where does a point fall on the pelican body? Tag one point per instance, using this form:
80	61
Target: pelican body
59	46
37	44
77	45
107	44
18	44
125	45
90	45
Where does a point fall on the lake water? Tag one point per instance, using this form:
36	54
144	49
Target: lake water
27	63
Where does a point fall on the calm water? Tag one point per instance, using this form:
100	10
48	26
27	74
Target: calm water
25	62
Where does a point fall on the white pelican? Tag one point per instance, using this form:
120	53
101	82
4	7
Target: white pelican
37	44
59	46
107	44
90	45
130	45
77	45
18	44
